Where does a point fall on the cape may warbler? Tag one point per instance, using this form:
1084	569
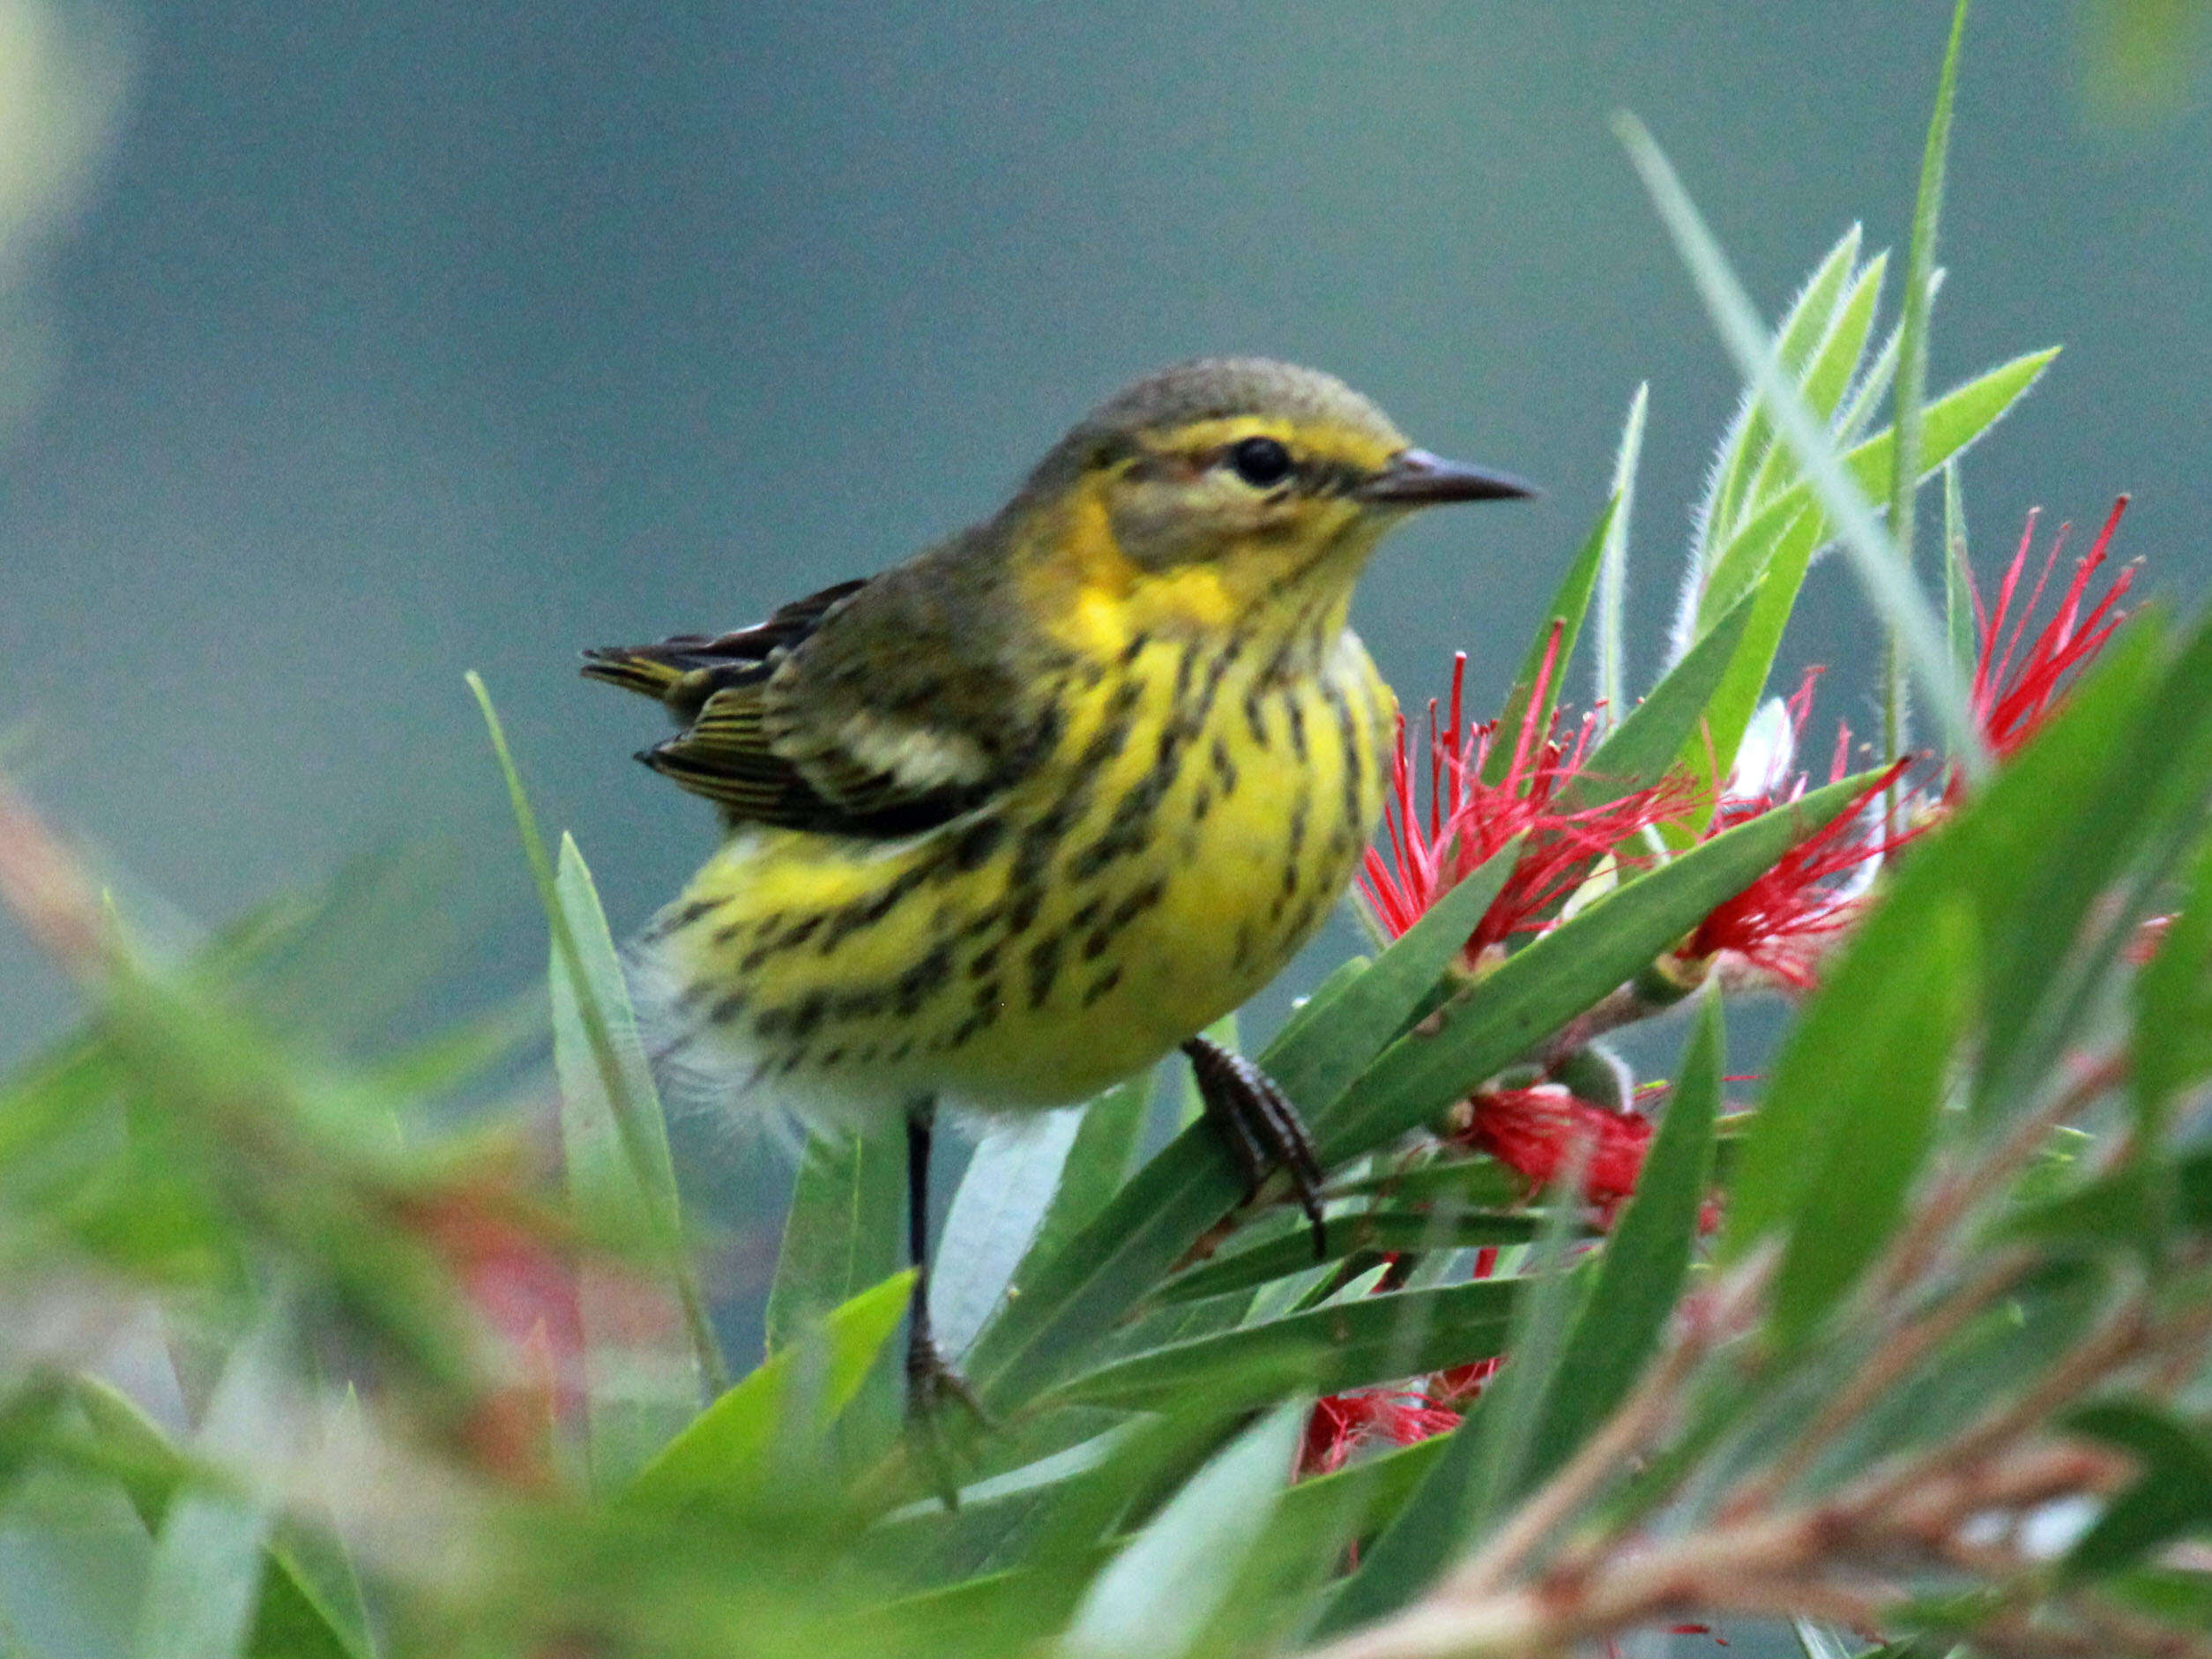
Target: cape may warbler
1013	820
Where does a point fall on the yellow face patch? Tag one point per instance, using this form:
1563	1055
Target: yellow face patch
1188	535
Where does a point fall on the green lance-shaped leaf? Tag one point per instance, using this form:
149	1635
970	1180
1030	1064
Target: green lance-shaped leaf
1852	1111
1665	725
1912	380
1316	1061
1471	1183
1746	558
204	1583
295	1618
1098	1273
1342	1345
603	1026
1647	1257
1333	984
1866	397
1612	567
1561	975
1369	1234
2171	1496
1828	377
841	1234
1042	1510
1950	425
1958	576
1887	586
1097	1162
1912	357
1473	1482
1979	853
2173	1006
1709	753
845	1232
1097	1165
723	1452
643	1378
1052	1511
1751	433
1159	1595
996	1210
2084	874
1569	605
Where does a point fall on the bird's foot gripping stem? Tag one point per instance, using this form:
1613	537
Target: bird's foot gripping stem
935	1387
935	1391
934	1383
1260	1127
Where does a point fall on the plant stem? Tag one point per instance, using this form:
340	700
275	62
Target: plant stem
1913	386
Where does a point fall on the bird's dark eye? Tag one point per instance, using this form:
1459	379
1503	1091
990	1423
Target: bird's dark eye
1261	462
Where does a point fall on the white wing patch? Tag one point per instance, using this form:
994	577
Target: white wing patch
916	758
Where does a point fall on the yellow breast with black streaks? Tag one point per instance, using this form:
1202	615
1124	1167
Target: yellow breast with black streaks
1205	806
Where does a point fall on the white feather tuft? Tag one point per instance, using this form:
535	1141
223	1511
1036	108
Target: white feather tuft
705	1069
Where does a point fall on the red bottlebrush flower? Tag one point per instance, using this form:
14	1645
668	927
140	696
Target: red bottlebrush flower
2014	690
525	1289
1785	921
1450	1387
1539	1132
1342	1422
512	1276
1469	820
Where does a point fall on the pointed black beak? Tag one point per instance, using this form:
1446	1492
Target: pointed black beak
1414	478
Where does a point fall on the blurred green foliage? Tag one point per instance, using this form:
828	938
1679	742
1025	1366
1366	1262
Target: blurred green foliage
2144	56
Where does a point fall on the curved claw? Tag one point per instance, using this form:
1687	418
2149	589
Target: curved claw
1261	1128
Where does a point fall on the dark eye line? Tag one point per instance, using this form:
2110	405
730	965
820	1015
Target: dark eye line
1306	475
1309	475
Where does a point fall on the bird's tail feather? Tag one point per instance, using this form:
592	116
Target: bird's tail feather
648	670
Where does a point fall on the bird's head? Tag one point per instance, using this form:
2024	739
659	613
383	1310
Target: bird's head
1222	484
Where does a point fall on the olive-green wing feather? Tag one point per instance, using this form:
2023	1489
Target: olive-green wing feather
685	670
862	709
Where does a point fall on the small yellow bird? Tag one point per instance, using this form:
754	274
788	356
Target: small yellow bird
1013	820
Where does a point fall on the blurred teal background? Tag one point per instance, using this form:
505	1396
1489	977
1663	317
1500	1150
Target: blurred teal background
373	344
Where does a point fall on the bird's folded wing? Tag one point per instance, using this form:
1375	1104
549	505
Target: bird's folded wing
868	739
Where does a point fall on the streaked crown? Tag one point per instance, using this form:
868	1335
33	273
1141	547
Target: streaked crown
1194	400
1240	459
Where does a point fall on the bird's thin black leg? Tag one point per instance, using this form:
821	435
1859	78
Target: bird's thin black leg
927	1371
1260	1127
931	1380
921	1123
